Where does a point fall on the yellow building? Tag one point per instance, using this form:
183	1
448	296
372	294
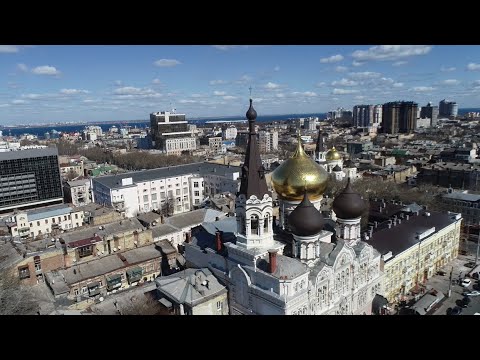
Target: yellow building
414	247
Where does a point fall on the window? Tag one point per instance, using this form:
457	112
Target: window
177	192
100	284
197	193
219	305
75	292
69	217
153	189
265	223
76	216
64	218
185	190
85	251
84	290
38	223
154	197
53	220
195	184
38	267
197	201
145	198
24	272
169	186
254	224
46	221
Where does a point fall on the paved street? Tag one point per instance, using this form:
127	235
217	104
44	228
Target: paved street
442	283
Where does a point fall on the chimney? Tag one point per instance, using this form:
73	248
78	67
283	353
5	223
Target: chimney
407	216
162	219
188	237
218	241
272	266
217	218
376	224
399	221
370	231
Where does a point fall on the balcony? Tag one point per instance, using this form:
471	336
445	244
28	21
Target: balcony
114	281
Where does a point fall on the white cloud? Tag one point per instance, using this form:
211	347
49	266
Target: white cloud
357	63
345	82
88	101
341	69
422	88
476	82
218	82
184	101
451	82
19	102
364	75
8	49
447	69
219	93
73	91
156	81
197	95
167	62
4	105
229	97
387	81
473	67
271	86
321	83
359	97
309	93
224	47
400	63
331	59
276	68
343	91
391	52
398	84
118	83
134	92
45	70
244	79
280	95
22	67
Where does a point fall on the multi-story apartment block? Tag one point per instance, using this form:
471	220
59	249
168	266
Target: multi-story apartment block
171	133
413	247
230	133
29	178
363	116
466	204
399	117
448	108
174	189
78	192
268	141
44	221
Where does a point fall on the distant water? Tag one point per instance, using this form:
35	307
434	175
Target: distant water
41	130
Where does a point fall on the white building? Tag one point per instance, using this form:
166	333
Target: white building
313	272
178	188
230	133
310	124
78	192
268	140
42	221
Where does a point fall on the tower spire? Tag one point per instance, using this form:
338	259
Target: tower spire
253	173
320	146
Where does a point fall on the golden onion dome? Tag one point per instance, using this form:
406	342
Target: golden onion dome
297	174
333	154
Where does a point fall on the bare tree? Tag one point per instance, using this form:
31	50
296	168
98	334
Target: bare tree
143	304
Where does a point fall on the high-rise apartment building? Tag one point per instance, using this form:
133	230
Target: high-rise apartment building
430	112
268	141
448	108
170	133
363	116
29	177
399	117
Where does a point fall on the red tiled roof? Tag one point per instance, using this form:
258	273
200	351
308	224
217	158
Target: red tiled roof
84	242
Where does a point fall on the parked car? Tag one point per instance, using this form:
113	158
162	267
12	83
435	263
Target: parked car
475	276
441	273
465	301
455	311
466	282
470	265
471	293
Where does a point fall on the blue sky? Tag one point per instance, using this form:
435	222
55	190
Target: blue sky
70	83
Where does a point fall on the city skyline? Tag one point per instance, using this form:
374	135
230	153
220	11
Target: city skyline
73	83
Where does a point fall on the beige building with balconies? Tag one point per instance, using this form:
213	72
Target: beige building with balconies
414	247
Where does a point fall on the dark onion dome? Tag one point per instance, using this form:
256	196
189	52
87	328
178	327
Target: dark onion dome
305	220
337	168
348	164
251	113
348	204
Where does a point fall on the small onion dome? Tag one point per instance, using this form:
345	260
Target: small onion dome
348	204
337	168
251	113
333	154
348	164
305	220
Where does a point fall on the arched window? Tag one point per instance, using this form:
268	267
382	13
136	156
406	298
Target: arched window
254	224
265	223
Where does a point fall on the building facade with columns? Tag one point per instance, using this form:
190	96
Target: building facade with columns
308	269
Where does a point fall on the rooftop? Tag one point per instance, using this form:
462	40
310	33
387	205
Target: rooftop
50	211
162	230
204	168
403	236
191	286
456	195
195	217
